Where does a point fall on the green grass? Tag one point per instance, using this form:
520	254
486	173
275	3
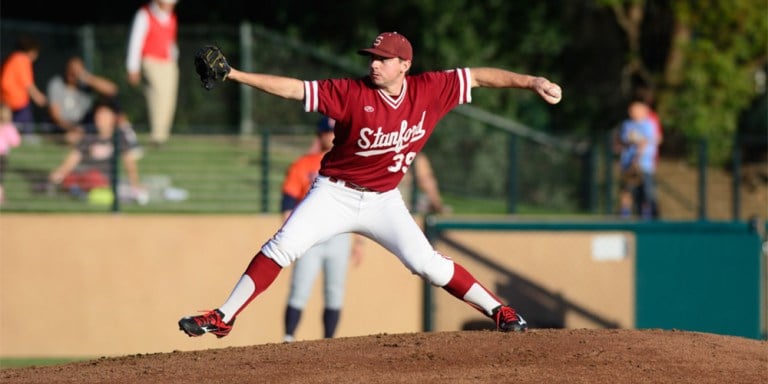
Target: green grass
221	174
34	362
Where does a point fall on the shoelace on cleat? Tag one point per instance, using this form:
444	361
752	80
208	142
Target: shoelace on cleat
505	315
210	317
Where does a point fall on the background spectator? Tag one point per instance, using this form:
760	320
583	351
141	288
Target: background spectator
646	94
638	148
89	164
153	53
17	83
331	256
9	138
428	198
70	97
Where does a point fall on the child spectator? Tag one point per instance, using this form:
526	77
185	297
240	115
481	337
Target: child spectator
638	145
9	138
89	164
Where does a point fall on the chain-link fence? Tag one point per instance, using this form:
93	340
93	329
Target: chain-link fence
230	146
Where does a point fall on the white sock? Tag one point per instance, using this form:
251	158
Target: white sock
239	296
481	299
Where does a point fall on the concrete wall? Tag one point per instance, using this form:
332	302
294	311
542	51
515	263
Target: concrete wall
93	285
554	279
114	285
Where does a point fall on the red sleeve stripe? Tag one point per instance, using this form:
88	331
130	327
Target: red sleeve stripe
311	102
465	87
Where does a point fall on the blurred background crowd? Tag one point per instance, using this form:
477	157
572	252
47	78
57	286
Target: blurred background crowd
700	68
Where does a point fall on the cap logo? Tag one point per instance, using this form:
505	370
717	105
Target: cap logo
389	45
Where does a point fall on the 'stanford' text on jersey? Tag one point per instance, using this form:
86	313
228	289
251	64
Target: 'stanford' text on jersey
377	136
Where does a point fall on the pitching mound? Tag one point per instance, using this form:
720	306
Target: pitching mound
537	356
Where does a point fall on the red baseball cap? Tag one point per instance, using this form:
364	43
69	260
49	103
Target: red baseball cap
389	45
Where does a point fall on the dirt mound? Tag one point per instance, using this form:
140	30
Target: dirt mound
537	356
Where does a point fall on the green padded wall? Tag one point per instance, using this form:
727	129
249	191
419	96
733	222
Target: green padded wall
700	280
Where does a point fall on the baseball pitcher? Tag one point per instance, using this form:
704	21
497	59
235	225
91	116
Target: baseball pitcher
382	121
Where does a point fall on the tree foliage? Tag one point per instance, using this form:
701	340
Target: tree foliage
723	44
700	57
705	78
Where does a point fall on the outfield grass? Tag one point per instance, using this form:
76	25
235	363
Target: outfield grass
221	174
36	362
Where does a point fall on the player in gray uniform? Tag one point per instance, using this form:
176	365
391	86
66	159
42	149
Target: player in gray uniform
331	256
383	120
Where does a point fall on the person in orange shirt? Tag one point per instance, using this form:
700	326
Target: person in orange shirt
153	52
17	84
332	256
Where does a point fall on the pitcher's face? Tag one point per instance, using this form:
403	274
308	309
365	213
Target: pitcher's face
387	72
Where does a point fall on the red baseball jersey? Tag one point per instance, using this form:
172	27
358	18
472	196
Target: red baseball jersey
378	136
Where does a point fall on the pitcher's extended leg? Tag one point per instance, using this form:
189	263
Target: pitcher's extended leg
400	234
259	275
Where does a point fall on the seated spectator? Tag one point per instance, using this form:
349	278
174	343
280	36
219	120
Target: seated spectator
71	96
89	164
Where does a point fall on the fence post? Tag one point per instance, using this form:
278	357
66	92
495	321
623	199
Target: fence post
427	320
608	173
512	174
735	177
264	171
115	171
88	42
413	199
246	92
591	179
703	179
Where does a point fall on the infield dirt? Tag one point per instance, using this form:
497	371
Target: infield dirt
536	356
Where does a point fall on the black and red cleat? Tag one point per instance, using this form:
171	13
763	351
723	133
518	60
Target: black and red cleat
508	320
210	322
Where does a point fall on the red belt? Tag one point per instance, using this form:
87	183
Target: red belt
349	185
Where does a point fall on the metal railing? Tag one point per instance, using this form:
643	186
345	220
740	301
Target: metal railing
230	146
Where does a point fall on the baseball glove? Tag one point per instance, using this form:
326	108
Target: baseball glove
211	65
